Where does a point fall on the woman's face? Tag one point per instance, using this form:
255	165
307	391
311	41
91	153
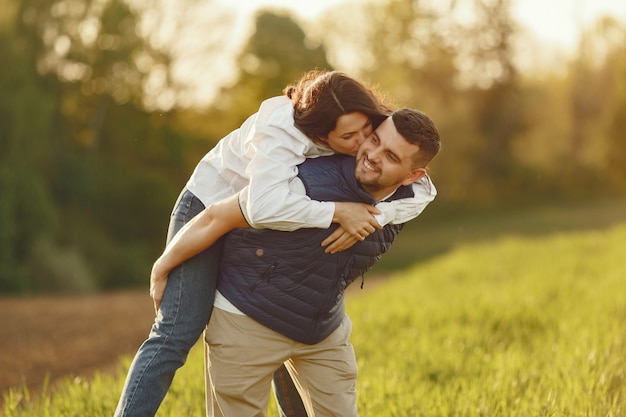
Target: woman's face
350	131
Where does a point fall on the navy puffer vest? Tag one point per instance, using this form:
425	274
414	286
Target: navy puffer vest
284	280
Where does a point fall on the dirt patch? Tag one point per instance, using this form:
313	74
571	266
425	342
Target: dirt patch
69	336
77	335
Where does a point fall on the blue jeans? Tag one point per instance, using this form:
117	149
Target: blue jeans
183	316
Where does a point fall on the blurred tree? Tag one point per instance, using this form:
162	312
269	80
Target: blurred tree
597	83
98	132
196	37
413	51
498	101
616	151
27	211
91	168
542	148
462	74
87	54
277	53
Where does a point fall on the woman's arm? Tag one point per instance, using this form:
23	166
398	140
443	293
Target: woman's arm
269	202
199	234
394	212
405	209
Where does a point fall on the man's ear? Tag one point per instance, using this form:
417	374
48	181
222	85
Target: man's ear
414	176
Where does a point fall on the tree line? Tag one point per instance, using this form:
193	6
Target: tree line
96	138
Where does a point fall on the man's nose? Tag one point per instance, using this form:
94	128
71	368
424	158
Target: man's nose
373	154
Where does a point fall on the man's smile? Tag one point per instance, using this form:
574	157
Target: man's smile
368	165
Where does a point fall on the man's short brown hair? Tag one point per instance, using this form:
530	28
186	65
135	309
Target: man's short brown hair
417	128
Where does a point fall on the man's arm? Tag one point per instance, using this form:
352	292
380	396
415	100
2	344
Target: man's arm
405	209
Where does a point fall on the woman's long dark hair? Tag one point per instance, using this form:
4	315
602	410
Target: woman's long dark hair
320	97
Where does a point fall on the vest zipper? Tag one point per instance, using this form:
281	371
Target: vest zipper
265	277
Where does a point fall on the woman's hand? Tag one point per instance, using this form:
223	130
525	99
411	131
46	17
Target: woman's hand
158	282
356	219
338	241
356	222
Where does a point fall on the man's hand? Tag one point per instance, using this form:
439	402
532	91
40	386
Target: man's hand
356	219
338	241
158	282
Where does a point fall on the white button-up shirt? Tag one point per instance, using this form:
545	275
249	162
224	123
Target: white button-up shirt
259	160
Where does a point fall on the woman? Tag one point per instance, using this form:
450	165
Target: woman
325	112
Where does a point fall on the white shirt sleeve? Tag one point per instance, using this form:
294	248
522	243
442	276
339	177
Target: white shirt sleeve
268	201
403	210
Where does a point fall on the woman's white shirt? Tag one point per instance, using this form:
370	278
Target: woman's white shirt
259	160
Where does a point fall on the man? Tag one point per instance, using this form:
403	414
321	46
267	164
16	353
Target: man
280	294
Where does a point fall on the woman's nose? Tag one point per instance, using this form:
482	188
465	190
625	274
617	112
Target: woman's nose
361	137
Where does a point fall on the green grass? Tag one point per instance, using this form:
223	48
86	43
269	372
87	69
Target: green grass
441	229
518	326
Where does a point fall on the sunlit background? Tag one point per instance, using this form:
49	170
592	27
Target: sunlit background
552	30
107	105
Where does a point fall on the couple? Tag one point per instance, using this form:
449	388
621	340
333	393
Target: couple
281	294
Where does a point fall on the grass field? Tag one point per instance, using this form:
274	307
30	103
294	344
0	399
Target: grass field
529	324
518	327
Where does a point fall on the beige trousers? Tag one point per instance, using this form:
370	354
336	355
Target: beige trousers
242	356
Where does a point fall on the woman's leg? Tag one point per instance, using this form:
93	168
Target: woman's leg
182	317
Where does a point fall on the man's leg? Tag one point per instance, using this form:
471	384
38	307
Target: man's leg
287	395
243	356
328	372
184	312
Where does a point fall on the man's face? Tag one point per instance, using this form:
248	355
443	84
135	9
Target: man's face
384	161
